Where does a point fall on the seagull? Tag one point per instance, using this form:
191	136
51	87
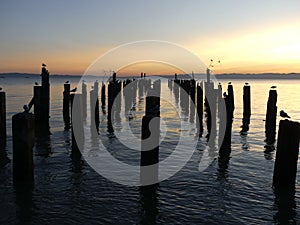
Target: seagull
273	87
67	82
25	107
229	82
36	83
246	83
44	64
0	88
224	95
74	90
283	114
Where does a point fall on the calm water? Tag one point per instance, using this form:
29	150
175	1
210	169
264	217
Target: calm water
68	191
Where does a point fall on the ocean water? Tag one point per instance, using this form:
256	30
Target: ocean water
67	190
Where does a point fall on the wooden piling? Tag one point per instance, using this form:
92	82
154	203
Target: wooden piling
285	168
150	139
230	97
200	108
66	106
246	108
45	101
84	100
270	125
23	131
2	118
77	123
103	96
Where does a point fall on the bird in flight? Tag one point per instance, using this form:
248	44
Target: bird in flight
283	114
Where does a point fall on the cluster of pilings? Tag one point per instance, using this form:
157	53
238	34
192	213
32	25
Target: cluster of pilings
218	105
208	101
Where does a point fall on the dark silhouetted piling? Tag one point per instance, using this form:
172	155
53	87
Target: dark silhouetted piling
230	98
84	99
45	100
103	96
200	108
2	119
77	123
150	137
66	106
285	168
23	131
270	125
246	108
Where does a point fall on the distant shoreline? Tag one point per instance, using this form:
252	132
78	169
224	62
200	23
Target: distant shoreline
227	76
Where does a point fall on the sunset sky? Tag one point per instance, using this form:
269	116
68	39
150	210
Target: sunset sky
68	35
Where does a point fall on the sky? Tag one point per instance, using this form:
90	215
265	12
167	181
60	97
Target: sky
69	35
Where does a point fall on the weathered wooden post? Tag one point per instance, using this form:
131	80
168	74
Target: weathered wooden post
285	168
66	106
45	99
23	131
150	138
226	120
270	125
230	97
103	96
84	99
200	108
2	119
246	108
96	93
77	123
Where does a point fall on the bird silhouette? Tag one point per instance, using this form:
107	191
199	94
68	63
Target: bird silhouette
44	64
0	88
229	82
26	108
36	83
283	114
273	87
246	83
225	95
67	82
73	90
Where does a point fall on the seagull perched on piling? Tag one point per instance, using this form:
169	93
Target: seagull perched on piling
246	83
26	108
229	82
74	90
273	87
283	114
36	83
44	64
0	88
67	82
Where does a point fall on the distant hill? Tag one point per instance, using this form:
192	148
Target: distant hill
227	76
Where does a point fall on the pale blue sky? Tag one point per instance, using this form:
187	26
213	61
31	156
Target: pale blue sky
63	32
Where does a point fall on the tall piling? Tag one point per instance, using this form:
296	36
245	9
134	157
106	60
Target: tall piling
246	108
23	131
103	96
2	119
230	97
270	125
45	100
285	168
84	100
150	138
66	106
200	108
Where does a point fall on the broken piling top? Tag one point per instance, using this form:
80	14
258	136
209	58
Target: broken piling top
114	76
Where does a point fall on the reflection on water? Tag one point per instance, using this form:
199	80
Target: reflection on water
236	188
